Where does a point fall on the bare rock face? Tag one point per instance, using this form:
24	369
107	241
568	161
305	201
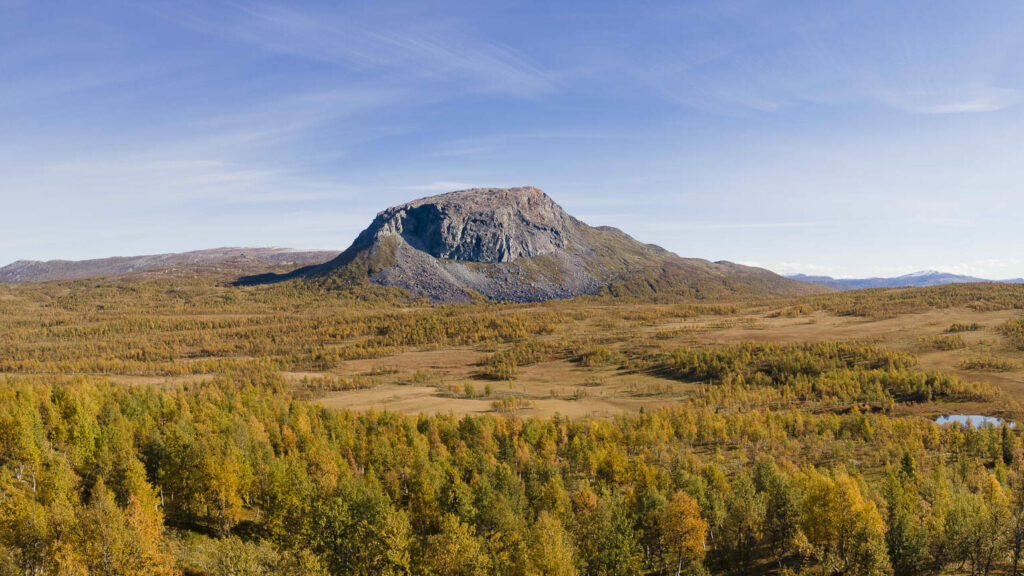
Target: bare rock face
517	244
484	225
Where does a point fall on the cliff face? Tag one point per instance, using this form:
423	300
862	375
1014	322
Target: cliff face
517	244
483	225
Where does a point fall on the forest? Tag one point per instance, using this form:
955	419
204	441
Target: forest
159	427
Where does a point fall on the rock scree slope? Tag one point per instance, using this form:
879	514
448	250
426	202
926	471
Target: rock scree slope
517	244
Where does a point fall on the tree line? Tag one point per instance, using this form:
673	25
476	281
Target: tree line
105	478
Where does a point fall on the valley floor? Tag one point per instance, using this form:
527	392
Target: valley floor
433	380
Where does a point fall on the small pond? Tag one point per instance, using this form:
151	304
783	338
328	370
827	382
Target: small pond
971	420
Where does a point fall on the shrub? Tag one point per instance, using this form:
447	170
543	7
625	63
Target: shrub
1014	332
989	364
945	342
498	369
512	404
600	356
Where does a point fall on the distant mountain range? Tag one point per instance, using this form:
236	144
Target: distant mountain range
916	279
224	261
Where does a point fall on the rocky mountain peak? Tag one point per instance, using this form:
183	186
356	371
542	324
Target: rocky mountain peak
517	244
485	225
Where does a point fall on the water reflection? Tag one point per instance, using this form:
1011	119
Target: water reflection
971	420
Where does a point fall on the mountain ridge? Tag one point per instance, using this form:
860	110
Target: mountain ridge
242	260
919	279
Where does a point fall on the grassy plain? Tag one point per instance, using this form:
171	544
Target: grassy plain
565	387
366	350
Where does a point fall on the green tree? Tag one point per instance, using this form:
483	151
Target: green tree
742	530
782	511
1016	528
977	524
907	536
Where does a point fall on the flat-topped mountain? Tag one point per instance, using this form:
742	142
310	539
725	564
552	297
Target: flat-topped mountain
236	260
517	244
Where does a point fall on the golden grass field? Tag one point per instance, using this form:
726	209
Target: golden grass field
413	358
566	388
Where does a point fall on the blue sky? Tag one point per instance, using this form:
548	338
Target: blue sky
844	138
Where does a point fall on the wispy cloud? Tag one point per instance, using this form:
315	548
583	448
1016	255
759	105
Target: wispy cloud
428	49
148	183
273	120
951	100
51	85
223	159
749	57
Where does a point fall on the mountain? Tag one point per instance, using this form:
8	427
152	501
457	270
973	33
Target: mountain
519	245
916	279
227	260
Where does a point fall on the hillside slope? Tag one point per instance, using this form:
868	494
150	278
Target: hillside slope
239	260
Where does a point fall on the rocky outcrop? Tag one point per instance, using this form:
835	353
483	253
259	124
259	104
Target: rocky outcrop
517	244
486	225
